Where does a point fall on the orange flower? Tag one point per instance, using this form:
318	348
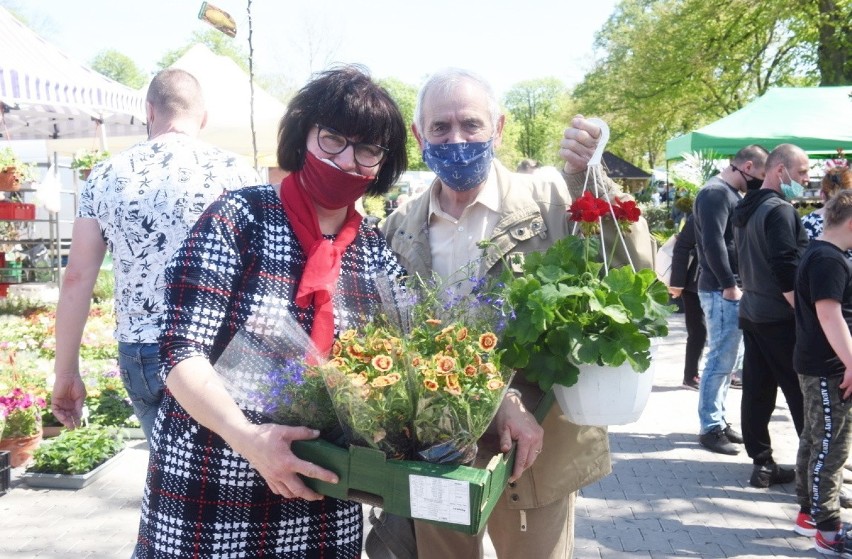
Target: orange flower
393	378
337	363
357	351
452	381
416	361
455	391
488	369
379	382
433	322
477	359
358	380
430	385
495	384
336	348
382	362
461	335
348	335
487	341
470	370
445	364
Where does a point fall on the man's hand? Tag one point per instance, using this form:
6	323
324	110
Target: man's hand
675	291
578	144
732	293
69	392
515	423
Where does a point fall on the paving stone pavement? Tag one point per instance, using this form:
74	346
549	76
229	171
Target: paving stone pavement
666	497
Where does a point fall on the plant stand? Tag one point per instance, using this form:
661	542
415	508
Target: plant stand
67	481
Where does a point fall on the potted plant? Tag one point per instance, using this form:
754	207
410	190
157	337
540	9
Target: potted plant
13	171
74	458
84	161
22	432
575	318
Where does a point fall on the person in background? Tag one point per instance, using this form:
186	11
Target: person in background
837	177
719	291
222	479
528	166
475	198
823	360
770	240
684	284
139	205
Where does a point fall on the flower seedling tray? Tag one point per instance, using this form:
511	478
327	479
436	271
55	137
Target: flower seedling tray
68	481
457	497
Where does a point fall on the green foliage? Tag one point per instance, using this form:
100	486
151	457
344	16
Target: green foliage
14	305
565	314
405	96
78	451
119	67
540	107
375	206
669	66
87	159
104	287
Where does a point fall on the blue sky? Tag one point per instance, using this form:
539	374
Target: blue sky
506	41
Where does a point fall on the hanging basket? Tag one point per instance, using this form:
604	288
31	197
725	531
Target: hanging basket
607	395
9	180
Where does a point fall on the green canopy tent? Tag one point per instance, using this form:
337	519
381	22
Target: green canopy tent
817	119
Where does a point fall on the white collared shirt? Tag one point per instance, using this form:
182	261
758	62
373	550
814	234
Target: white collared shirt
453	242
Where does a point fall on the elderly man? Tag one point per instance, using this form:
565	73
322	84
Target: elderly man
770	241
140	205
458	124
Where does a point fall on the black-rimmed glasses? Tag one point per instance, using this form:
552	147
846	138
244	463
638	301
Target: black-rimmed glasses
333	142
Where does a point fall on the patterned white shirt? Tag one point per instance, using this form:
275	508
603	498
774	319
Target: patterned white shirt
145	201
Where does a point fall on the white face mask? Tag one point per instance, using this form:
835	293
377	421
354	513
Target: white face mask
792	190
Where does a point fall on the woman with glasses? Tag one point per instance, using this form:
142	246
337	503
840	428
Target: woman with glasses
222	479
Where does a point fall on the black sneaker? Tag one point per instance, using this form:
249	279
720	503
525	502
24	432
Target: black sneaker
692	383
733	436
770	473
715	440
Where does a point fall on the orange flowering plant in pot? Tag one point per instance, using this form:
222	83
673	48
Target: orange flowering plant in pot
424	381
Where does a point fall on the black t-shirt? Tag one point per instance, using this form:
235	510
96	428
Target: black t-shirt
823	273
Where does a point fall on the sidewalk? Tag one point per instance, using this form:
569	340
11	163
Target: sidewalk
666	497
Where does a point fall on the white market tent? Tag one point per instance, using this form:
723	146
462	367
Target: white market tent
228	98
44	94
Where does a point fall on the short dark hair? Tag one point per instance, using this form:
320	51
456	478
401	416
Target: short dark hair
755	153
348	100
838	210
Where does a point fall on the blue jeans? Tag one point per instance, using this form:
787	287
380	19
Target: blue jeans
140	371
723	341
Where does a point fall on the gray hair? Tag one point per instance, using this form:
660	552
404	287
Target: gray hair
444	82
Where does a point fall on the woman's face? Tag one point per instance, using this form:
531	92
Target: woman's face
323	142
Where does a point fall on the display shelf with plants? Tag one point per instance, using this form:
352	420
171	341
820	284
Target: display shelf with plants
75	458
85	161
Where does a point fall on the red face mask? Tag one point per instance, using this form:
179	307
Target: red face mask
330	187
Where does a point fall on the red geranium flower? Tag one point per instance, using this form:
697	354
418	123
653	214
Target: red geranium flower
588	209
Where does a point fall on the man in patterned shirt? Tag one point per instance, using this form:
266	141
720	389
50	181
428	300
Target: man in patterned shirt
139	205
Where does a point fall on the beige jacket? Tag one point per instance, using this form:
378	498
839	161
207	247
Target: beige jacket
533	216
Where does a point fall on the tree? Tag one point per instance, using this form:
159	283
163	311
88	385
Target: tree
671	65
118	67
216	41
405	96
540	108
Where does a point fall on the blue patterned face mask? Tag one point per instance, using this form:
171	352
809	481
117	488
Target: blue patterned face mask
460	166
792	190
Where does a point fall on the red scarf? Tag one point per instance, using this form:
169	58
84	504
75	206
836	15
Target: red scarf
322	268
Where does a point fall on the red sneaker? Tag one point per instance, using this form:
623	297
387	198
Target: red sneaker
805	525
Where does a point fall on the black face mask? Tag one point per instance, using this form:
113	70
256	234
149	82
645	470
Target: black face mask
752	183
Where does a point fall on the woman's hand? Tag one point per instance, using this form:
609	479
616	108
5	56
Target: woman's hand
268	451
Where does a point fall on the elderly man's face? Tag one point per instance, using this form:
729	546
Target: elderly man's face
462	116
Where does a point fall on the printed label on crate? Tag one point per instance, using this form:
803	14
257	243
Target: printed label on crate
443	500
